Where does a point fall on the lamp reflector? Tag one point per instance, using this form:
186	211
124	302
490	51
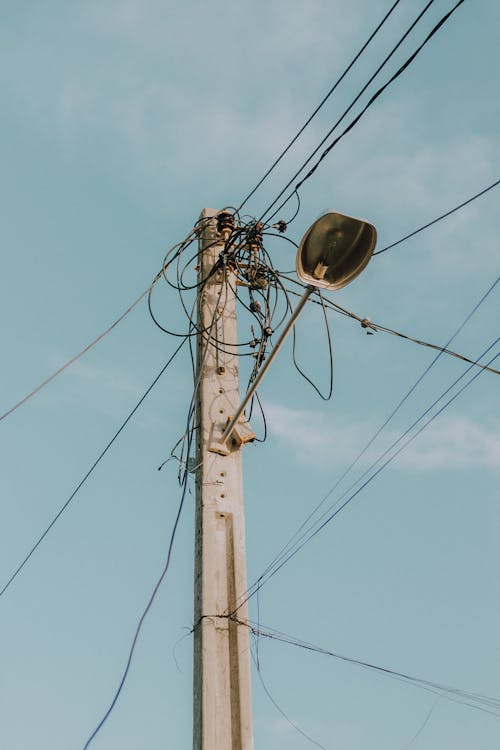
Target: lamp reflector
334	250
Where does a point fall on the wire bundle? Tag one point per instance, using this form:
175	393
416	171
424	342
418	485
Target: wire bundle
245	268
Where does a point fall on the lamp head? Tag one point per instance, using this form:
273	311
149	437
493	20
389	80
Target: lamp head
334	250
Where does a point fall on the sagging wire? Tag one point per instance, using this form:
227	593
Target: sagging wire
245	268
300	537
255	654
298	541
76	357
424	723
206	335
255	632
256	399
478	701
338	122
438	218
281	226
320	105
142	619
357	118
328	396
147	292
88	473
371	327
183	477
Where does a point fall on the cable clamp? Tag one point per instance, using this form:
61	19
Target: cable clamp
366	323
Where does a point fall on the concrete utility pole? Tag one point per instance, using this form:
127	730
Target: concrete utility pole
222	697
334	250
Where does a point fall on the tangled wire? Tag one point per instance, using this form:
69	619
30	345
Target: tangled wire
244	267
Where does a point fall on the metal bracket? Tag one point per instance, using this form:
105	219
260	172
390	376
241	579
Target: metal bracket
240	434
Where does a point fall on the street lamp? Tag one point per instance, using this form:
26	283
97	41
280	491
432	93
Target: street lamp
333	251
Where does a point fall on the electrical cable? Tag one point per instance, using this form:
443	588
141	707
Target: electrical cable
147	292
209	339
297	542
188	239
436	347
293	540
251	261
320	105
424	723
372	326
328	396
77	356
439	218
183	480
285	557
142	618
471	699
293	724
440	23
222	260
89	472
341	118
358	117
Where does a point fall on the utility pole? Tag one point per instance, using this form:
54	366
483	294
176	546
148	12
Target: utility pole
334	250
222	696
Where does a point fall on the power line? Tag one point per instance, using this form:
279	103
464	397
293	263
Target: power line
174	254
423	723
298	541
321	104
441	350
89	472
186	242
286	555
346	112
146	292
293	724
405	398
396	75
358	117
370	325
478	701
293	543
175	524
143	616
328	395
76	357
436	347
439	218
183	479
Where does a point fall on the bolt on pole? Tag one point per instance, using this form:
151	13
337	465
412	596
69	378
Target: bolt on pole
222	695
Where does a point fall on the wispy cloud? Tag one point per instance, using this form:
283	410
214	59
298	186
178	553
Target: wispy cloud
448	443
103	388
148	96
282	727
106	377
455	443
113	391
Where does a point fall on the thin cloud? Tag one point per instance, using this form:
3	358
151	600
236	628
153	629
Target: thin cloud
455	443
449	443
106	377
104	389
150	100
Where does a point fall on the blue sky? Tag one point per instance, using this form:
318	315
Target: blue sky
120	122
